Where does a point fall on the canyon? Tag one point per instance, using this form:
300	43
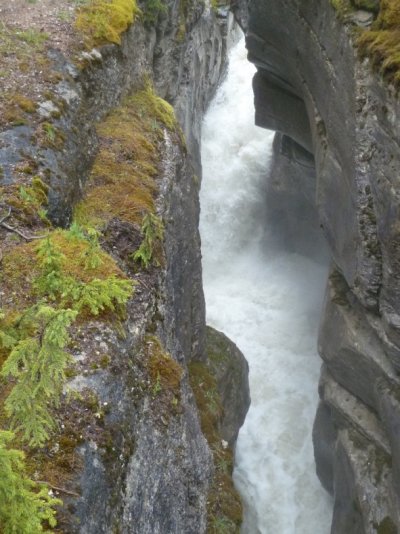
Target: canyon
130	450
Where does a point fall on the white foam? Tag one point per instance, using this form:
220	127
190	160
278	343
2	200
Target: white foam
268	301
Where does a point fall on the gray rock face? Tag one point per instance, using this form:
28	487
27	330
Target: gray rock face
144	466
312	88
157	479
291	212
147	469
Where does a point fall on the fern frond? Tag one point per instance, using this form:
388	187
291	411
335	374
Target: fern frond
153	234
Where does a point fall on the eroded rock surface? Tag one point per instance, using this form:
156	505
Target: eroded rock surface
312	88
130	452
230	369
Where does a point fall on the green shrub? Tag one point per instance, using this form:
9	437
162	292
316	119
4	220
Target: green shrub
95	295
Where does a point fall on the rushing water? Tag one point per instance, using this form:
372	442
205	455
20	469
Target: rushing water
268	301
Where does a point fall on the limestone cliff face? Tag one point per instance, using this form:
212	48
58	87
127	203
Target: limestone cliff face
311	87
137	461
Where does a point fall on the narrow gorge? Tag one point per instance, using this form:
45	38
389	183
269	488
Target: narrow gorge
119	409
266	295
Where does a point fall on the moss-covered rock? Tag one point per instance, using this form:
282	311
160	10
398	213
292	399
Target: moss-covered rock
122	183
381	42
221	389
230	369
103	21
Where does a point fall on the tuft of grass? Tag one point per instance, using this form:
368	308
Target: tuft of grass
26	104
165	373
32	37
103	21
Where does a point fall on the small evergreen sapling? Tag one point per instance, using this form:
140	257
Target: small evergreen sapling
50	281
38	364
37	338
23	507
96	296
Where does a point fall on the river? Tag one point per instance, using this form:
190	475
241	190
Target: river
268	301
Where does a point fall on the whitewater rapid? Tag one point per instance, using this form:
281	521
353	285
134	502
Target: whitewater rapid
268	301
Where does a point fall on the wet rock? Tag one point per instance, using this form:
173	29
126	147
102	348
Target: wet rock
230	369
332	104
291	214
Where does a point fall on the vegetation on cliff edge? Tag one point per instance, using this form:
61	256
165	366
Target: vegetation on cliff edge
103	21
381	40
65	278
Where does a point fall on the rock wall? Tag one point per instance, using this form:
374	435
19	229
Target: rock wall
312	87
130	453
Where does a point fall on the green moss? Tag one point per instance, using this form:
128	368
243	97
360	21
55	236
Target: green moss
148	103
105	361
386	526
382	41
164	371
207	399
103	21
26	104
17	106
122	182
343	7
